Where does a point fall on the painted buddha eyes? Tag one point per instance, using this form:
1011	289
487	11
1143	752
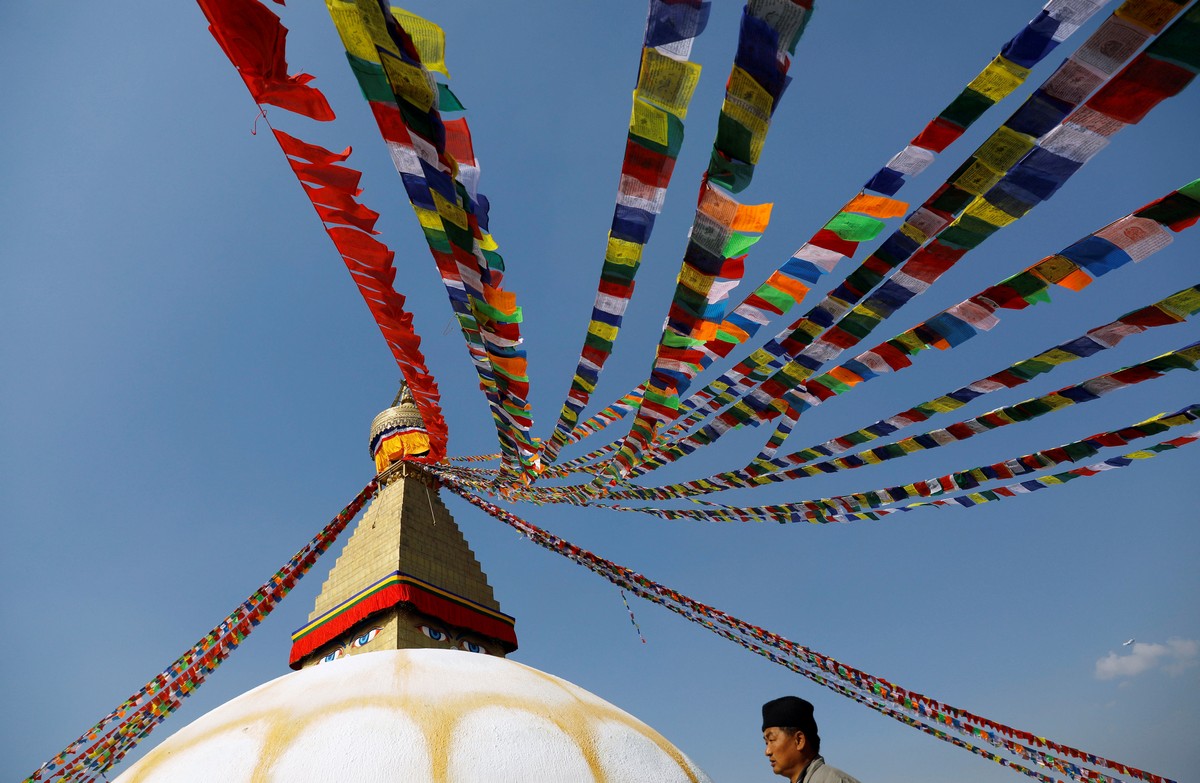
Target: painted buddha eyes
366	637
359	641
436	634
439	635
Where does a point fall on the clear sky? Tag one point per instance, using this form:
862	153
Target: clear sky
190	375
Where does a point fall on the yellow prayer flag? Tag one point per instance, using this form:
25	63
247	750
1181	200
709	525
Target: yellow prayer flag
908	445
623	252
1182	303
410	82
1150	14
876	206
756	125
913	233
999	78
452	212
1191	353
1053	268
648	121
760	358
487	242
982	209
603	330
583	383
1056	356
943	404
978	178
429	39
1056	401
667	82
428	218
356	38
796	372
1004	148
695	279
810	328
745	88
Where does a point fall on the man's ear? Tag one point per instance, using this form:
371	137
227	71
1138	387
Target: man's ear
801	740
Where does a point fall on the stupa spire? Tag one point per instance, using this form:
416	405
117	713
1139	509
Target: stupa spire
407	578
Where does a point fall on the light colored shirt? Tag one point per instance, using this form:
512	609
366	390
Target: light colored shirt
818	771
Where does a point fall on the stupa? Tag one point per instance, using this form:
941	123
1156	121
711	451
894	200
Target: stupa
402	673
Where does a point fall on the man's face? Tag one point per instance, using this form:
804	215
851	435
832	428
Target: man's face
785	751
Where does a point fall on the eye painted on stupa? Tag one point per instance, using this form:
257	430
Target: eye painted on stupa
366	637
470	646
333	656
437	634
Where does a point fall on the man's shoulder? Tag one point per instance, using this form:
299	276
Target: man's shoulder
827	774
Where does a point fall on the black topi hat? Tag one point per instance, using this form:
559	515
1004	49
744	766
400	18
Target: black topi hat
791	712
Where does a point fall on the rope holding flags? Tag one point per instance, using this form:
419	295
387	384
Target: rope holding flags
899	703
94	754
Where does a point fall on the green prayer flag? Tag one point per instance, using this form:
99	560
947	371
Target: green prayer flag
855	228
739	243
371	79
781	299
966	108
448	101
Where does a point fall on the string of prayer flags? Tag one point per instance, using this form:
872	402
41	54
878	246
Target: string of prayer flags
770	30
94	754
763	471
1007	71
370	263
254	40
786	286
437	166
713	263
333	191
909	707
665	83
790	283
1139	235
1170	310
864	506
853	224
839	323
838	239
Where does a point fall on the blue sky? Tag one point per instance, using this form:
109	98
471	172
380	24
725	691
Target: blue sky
190	376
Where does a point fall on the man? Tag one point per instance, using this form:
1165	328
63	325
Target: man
793	745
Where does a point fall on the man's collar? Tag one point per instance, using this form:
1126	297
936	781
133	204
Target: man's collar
809	768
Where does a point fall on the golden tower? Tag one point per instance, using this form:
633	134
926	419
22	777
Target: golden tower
406	578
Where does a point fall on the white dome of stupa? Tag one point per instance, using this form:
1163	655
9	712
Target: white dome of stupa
415	716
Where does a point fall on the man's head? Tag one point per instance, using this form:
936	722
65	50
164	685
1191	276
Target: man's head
790	734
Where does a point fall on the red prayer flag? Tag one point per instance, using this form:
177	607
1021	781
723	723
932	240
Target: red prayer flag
937	135
313	153
330	175
361	247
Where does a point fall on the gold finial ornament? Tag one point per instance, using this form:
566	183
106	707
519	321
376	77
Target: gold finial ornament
398	432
